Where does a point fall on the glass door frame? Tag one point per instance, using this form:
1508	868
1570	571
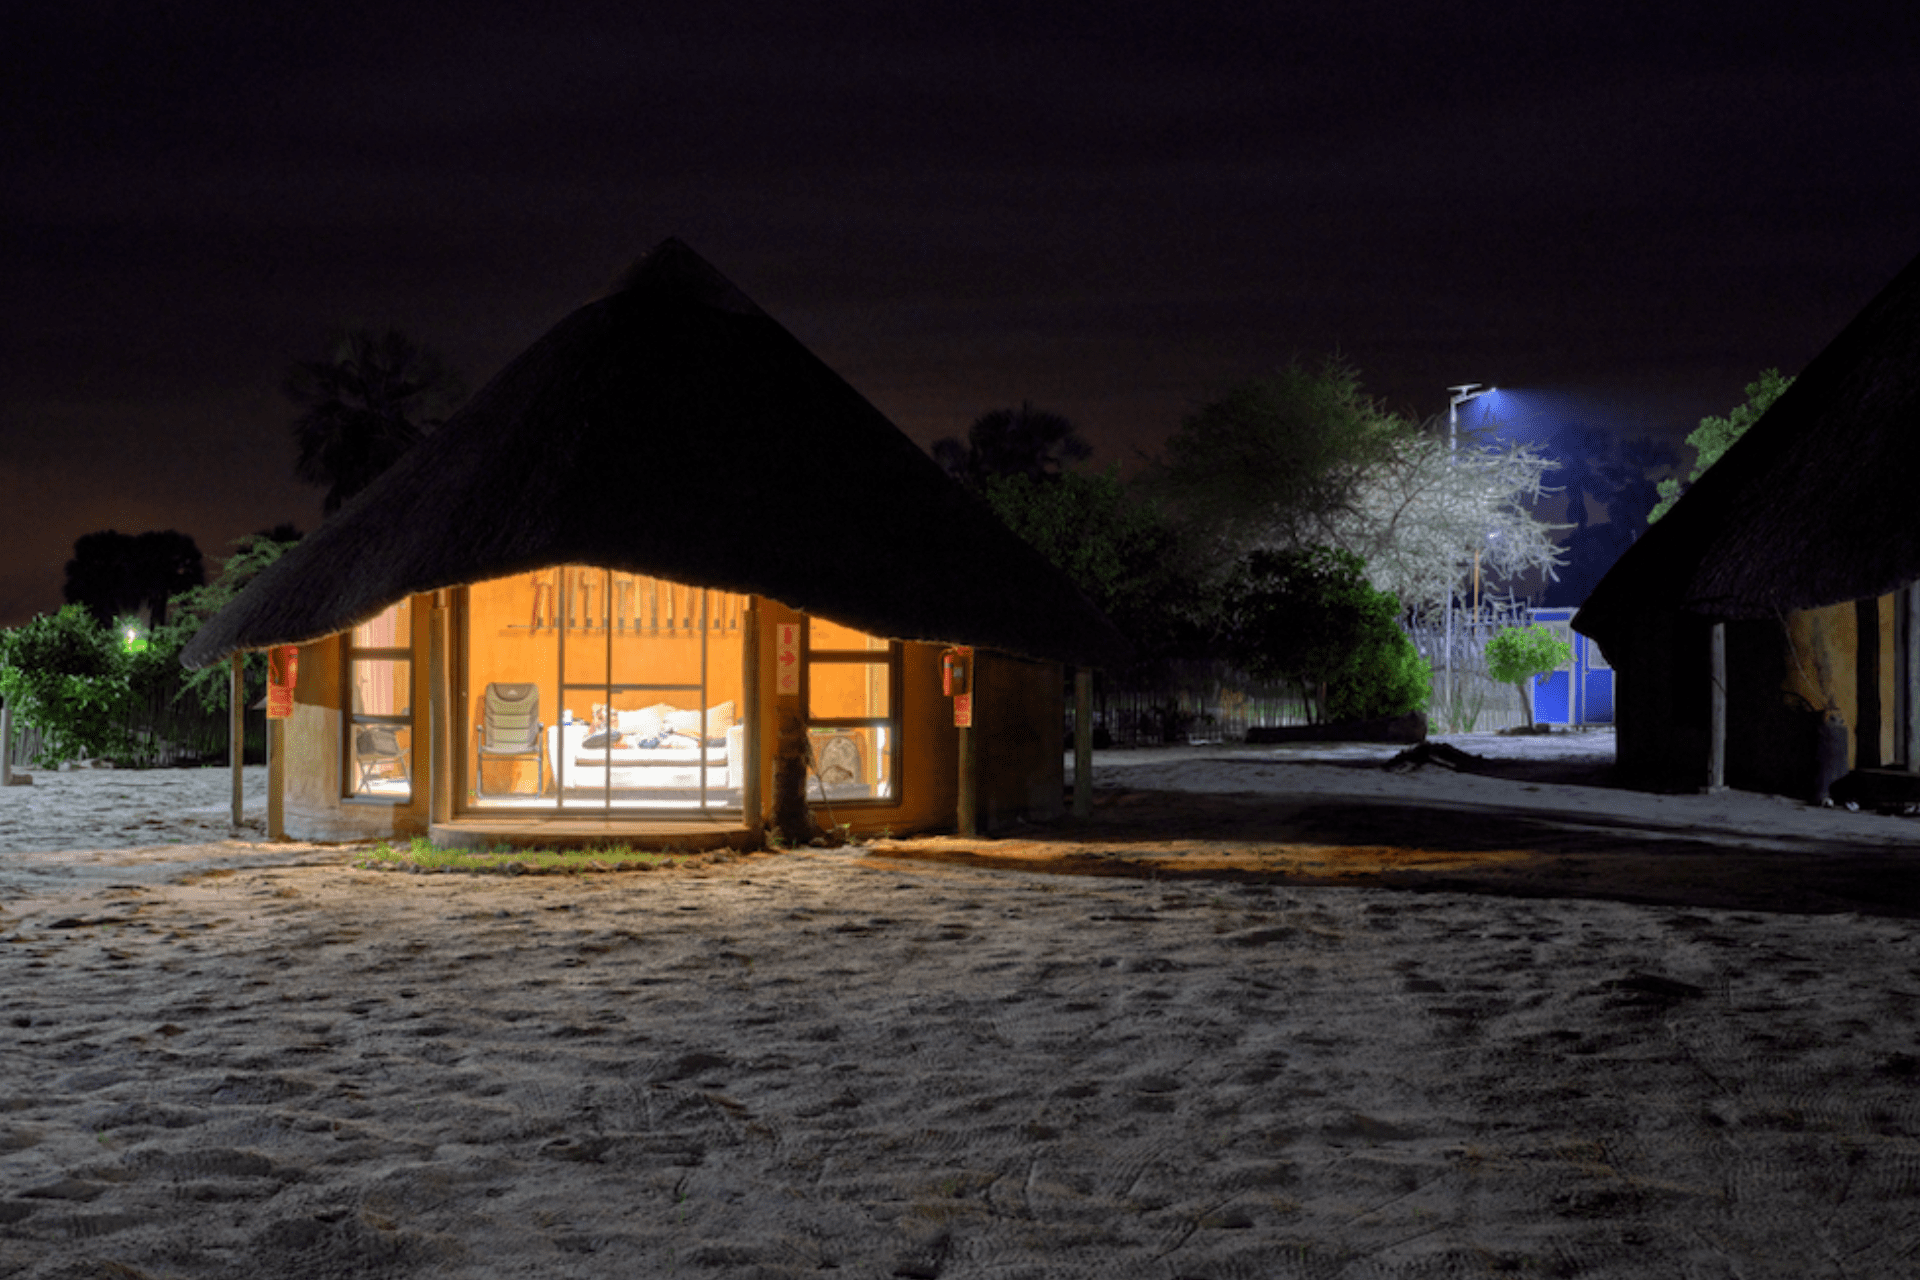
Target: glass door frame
609	687
561	605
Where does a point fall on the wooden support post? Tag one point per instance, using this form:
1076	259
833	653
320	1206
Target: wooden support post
758	715
6	744
1867	717
439	745
967	810
237	732
1717	678
1082	743
276	779
1910	597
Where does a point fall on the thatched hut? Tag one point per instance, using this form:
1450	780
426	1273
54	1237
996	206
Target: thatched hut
1764	632
667	577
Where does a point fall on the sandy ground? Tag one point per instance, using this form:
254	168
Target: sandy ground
1290	1015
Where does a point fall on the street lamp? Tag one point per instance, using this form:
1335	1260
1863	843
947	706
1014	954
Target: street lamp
1461	394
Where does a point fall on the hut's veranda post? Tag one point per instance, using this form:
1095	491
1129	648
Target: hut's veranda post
237	732
1082	743
1717	692
1910	682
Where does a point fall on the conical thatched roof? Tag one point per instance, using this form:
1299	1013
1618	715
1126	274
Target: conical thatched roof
672	428
1817	503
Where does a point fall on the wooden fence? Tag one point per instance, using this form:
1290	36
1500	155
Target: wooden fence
1201	701
165	733
1472	701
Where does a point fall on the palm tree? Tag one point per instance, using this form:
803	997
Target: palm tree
370	403
1012	442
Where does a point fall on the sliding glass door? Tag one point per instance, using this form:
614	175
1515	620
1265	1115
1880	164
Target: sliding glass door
594	691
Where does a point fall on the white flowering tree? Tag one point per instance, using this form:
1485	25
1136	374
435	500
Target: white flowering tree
1425	516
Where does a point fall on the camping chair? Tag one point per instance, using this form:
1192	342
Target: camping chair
374	746
509	729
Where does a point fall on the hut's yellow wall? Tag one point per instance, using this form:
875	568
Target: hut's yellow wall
927	784
1821	648
1823	667
1021	713
929	745
313	805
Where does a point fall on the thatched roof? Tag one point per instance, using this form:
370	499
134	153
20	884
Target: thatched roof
1819	502
672	428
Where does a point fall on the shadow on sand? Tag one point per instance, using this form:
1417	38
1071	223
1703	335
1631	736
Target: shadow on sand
1432	849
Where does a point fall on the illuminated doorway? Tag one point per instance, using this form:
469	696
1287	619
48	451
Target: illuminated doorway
591	691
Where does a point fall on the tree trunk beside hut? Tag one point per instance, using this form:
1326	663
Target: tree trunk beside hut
790	816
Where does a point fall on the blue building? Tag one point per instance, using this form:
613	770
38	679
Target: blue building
1581	692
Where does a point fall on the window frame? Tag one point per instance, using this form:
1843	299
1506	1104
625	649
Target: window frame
350	719
893	656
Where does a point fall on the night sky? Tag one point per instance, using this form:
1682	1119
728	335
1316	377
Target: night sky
1111	210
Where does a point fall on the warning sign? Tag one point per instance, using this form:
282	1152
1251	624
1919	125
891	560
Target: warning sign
786	661
963	711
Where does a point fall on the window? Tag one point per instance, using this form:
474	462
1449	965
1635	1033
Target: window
852	696
379	712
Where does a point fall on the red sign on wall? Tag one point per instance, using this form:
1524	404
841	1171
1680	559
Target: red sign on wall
283	668
963	711
786	661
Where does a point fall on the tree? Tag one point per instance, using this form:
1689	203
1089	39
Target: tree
1272	461
1517	654
1025	442
1121	550
1714	436
1425	515
1309	616
1304	459
369	403
114	573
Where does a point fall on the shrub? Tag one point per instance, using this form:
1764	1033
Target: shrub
67	676
1517	654
1309	616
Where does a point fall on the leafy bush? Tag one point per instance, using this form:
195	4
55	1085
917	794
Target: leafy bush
1517	654
1310	617
67	676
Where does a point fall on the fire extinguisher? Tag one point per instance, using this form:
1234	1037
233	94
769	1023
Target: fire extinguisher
956	681
956	672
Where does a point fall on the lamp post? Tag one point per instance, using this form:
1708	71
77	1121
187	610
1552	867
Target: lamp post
1461	394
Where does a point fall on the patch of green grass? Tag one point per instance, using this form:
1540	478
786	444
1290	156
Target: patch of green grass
421	856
